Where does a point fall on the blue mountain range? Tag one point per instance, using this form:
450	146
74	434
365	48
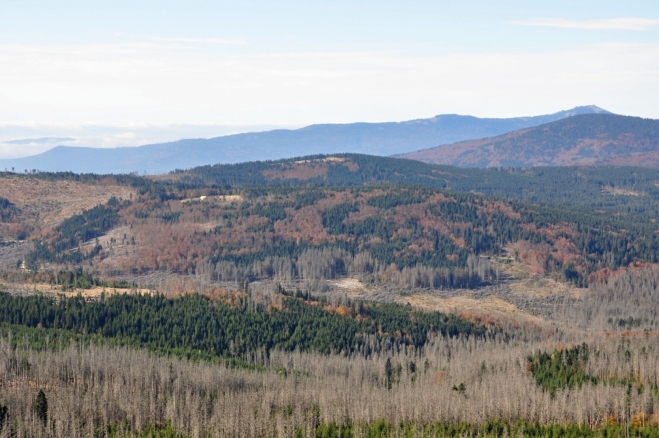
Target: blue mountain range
384	139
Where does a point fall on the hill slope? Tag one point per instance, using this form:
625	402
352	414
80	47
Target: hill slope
611	189
368	138
588	139
406	237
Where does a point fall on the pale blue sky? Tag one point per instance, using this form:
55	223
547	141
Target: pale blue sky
421	25
143	68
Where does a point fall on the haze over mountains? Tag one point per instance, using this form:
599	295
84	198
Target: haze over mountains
382	139
587	139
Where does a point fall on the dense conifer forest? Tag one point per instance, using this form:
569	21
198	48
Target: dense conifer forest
194	324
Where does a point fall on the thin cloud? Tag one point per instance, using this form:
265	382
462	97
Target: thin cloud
14	141
201	40
43	140
630	23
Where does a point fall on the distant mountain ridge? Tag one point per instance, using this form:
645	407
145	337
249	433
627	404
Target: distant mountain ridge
586	139
381	139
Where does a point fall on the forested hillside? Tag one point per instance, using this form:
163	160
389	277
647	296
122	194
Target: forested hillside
622	189
218	223
588	139
410	237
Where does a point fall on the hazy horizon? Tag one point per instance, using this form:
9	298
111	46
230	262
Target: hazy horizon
149	72
19	141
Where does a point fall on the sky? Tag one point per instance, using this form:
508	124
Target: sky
125	73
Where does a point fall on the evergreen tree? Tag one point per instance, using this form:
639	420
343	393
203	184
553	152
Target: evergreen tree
41	407
389	373
3	416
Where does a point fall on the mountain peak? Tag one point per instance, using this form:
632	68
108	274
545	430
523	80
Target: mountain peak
598	110
586	109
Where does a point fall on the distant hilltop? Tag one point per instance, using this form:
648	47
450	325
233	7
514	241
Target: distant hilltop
383	139
585	139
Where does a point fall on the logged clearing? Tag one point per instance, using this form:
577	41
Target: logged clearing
51	289
620	191
543	287
48	203
351	284
11	254
464	304
219	198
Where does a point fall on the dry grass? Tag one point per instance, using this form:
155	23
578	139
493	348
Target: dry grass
490	306
54	290
524	283
461	302
351	284
543	287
